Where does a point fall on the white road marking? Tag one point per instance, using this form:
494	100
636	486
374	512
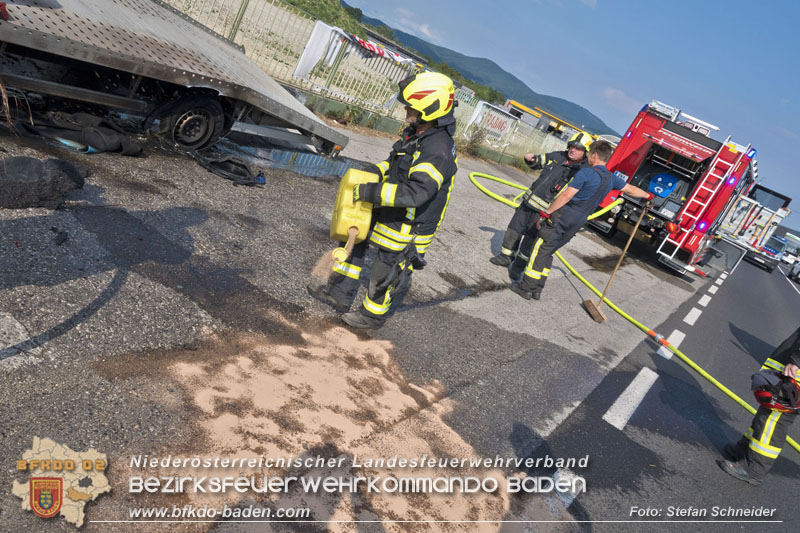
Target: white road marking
692	316
719	281
790	281
675	338
713	289
723	275
704	300
622	409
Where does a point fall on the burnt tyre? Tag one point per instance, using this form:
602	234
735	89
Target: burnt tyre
194	122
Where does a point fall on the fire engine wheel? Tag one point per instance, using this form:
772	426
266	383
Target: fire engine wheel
195	122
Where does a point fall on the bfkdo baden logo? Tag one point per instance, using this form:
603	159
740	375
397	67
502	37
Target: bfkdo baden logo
61	480
46	493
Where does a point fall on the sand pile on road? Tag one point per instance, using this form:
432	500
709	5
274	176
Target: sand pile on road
336	395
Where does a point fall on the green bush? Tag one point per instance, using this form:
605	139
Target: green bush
353	114
335	114
472	140
330	12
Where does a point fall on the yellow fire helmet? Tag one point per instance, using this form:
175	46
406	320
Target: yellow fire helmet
582	139
430	93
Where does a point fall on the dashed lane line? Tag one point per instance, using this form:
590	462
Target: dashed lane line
692	316
713	289
719	281
675	339
704	300
622	409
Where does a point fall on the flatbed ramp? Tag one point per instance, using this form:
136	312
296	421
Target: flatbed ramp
149	38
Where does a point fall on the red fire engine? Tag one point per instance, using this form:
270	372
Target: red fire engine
694	179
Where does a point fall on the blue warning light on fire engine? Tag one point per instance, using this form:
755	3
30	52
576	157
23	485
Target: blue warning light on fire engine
752	153
701	226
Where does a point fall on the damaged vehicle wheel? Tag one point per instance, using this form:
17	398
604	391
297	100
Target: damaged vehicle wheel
193	122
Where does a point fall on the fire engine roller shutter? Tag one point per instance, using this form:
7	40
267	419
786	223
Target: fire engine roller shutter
708	142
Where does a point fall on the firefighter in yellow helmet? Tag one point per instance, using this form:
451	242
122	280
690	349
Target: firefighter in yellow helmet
558	168
410	202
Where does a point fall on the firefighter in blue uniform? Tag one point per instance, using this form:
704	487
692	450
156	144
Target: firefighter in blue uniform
558	169
410	203
567	214
755	453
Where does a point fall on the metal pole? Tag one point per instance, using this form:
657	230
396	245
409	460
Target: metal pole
336	62
512	136
238	20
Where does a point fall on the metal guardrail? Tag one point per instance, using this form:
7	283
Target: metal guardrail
274	35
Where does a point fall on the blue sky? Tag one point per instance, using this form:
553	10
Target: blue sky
732	63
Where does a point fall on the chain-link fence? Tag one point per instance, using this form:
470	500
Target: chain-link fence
275	34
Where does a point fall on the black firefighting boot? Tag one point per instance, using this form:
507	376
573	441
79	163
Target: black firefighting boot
738	471
501	259
355	319
526	291
322	292
733	452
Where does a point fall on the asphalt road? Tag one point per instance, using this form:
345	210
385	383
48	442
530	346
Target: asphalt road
664	457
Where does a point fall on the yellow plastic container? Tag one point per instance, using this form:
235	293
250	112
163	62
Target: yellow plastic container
346	214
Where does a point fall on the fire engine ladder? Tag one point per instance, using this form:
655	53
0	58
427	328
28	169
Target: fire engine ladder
701	197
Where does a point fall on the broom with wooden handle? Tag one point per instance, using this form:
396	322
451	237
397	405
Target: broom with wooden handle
594	310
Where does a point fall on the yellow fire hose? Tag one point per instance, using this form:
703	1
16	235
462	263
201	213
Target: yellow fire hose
657	337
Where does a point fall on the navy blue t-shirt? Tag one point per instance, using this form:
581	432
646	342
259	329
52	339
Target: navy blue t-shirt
587	180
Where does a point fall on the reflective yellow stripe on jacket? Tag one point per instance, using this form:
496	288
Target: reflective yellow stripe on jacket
430	170
772	364
388	193
383	166
422	242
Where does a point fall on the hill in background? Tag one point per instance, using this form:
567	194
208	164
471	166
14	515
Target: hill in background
487	72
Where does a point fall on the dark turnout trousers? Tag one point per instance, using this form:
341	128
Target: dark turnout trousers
763	442
389	281
555	233
523	224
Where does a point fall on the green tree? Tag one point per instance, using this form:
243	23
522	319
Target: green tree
331	12
385	31
354	12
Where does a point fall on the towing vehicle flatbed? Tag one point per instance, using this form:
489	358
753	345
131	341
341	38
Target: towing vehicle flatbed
147	59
